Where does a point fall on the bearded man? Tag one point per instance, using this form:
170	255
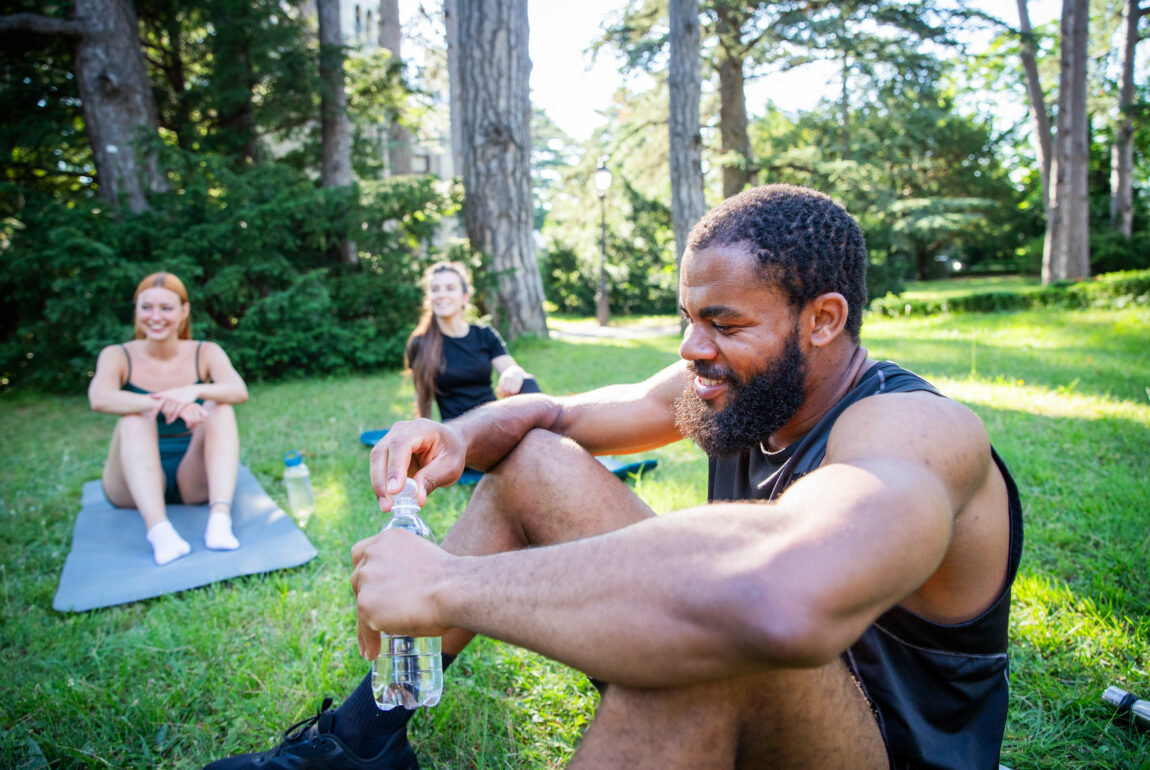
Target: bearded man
840	602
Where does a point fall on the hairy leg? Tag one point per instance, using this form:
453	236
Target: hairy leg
548	490
786	718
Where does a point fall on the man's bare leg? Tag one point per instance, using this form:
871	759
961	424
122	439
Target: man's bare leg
548	490
787	718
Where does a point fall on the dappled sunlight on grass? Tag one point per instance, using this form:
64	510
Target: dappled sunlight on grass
1091	351
1049	615
1059	402
331	499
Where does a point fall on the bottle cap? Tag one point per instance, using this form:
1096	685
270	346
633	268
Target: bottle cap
292	458
406	496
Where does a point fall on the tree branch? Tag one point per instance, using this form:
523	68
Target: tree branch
43	25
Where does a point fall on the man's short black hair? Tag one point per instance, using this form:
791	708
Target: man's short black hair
805	243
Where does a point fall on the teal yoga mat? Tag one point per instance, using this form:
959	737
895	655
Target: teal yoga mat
111	562
621	468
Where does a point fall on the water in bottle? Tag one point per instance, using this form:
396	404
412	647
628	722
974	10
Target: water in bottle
409	670
298	483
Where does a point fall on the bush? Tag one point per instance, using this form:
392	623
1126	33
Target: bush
256	249
1110	290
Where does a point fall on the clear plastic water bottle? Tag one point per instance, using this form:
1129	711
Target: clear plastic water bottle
409	670
298	483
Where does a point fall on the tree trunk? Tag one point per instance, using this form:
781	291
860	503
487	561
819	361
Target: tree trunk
1122	152
451	20
1038	113
686	150
398	135
1066	253
844	108
495	71
335	168
738	164
116	96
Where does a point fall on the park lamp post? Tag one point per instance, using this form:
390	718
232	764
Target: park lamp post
602	184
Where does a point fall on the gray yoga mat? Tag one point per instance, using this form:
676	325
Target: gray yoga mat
111	560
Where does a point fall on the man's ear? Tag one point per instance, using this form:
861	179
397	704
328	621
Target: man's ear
827	316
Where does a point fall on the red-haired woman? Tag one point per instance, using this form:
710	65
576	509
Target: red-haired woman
176	440
451	359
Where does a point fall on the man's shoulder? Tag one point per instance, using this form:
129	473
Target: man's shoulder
901	419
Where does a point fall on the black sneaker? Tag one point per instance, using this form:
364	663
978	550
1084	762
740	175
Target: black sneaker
311	745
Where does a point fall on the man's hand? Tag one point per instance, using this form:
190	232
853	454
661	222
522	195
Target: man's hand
394	582
430	452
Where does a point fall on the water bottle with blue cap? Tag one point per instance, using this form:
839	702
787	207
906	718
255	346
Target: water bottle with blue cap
297	479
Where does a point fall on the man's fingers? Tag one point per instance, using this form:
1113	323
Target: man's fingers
359	549
368	641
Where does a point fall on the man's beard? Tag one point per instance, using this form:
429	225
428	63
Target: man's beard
755	409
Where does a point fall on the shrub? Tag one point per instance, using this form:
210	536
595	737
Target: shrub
257	251
1110	290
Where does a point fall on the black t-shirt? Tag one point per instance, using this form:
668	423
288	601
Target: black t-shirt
465	381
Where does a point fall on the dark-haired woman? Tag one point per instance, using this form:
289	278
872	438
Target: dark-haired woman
176	439
451	359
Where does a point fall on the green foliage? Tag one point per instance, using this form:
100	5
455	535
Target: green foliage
565	283
640	251
1110	251
42	139
1110	290
227	72
256	248
924	182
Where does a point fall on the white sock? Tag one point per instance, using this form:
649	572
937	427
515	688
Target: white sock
218	536
167	545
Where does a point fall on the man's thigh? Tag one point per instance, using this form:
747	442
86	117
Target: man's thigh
787	718
548	490
810	718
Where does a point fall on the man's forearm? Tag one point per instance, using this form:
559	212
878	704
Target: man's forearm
491	431
651	605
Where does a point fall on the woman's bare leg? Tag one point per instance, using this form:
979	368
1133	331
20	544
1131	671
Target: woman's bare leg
134	478
208	472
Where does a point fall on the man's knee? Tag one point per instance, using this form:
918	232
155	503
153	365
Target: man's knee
819	717
536	451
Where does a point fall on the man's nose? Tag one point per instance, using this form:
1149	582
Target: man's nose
696	345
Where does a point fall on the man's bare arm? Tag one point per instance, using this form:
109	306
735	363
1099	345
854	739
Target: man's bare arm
715	591
614	419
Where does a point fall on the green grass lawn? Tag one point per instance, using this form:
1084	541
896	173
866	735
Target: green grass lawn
176	681
979	284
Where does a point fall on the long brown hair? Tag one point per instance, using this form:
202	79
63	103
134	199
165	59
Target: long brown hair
173	284
424	355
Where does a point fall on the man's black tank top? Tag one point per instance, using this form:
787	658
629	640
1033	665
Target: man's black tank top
939	692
